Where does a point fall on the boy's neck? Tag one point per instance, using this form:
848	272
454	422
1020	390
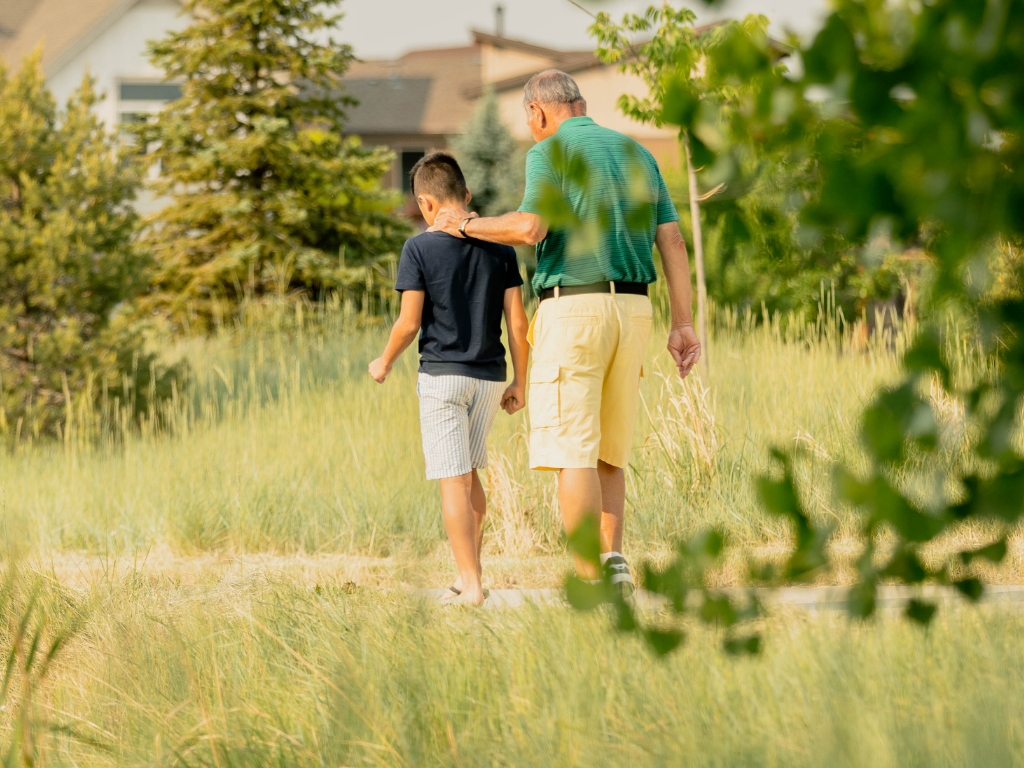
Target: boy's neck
442	204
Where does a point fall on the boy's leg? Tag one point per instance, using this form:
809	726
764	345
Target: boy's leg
444	420
460	523
478	501
482	410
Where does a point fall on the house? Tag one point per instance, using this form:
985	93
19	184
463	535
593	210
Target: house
423	100
106	38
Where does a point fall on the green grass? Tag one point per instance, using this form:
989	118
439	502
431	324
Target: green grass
236	673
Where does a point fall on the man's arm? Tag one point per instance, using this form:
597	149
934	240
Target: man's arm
518	327
516	228
403	333
682	341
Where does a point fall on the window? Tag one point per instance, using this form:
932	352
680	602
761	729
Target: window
409	158
150	92
138	100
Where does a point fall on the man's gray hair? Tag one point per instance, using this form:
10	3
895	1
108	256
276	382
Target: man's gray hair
552	86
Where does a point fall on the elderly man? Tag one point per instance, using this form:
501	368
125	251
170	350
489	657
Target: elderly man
590	332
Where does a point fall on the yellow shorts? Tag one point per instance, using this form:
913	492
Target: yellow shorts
588	353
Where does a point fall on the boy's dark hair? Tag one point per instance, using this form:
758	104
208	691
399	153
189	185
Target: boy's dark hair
438	174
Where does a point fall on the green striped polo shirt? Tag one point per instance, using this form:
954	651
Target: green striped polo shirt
603	197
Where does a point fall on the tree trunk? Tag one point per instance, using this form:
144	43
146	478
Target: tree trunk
698	257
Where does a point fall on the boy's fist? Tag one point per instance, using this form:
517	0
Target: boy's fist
514	398
379	370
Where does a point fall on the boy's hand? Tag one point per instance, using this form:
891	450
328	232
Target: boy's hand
379	370
514	398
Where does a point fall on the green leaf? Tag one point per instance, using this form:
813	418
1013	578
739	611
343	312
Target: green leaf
920	611
994	552
779	496
584	596
832	51
585	539
663	641
926	355
861	599
680	102
970	588
718	609
906	566
895	417
625	618
749	645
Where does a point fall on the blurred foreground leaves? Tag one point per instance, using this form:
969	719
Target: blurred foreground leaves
913	119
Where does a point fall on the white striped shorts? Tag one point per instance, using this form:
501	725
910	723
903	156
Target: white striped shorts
456	414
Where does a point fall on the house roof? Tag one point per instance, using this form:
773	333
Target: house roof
571	62
421	92
62	27
12	16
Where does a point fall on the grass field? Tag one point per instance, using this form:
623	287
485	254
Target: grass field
240	672
244	566
284	444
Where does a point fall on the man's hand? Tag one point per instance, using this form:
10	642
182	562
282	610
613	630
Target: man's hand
449	219
514	398
684	348
379	370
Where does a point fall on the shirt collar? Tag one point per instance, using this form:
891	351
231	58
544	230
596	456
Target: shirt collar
575	122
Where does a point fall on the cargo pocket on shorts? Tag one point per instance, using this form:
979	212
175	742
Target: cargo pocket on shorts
544	406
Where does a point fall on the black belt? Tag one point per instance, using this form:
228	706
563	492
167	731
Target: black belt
636	289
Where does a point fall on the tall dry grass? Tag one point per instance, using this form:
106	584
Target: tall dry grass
282	444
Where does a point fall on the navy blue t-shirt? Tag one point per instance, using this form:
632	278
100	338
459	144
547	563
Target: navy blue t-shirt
465	282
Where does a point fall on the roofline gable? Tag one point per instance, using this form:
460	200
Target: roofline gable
485	38
90	36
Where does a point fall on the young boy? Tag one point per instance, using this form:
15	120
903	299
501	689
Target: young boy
454	291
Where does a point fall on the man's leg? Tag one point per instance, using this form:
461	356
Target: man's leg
613	506
461	524
579	496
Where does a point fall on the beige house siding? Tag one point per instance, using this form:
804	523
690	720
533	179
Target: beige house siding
502	63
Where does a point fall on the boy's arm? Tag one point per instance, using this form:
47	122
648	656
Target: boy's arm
515	321
404	332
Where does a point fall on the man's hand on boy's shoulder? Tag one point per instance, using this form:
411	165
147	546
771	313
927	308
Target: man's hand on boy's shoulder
379	370
514	398
448	220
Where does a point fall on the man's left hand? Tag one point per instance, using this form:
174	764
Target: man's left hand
684	348
449	219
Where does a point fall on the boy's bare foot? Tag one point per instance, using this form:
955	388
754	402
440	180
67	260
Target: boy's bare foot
465	597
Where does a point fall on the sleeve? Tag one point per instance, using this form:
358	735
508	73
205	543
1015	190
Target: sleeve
666	208
512	277
540	175
410	270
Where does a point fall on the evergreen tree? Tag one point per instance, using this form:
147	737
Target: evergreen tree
68	269
267	195
489	158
